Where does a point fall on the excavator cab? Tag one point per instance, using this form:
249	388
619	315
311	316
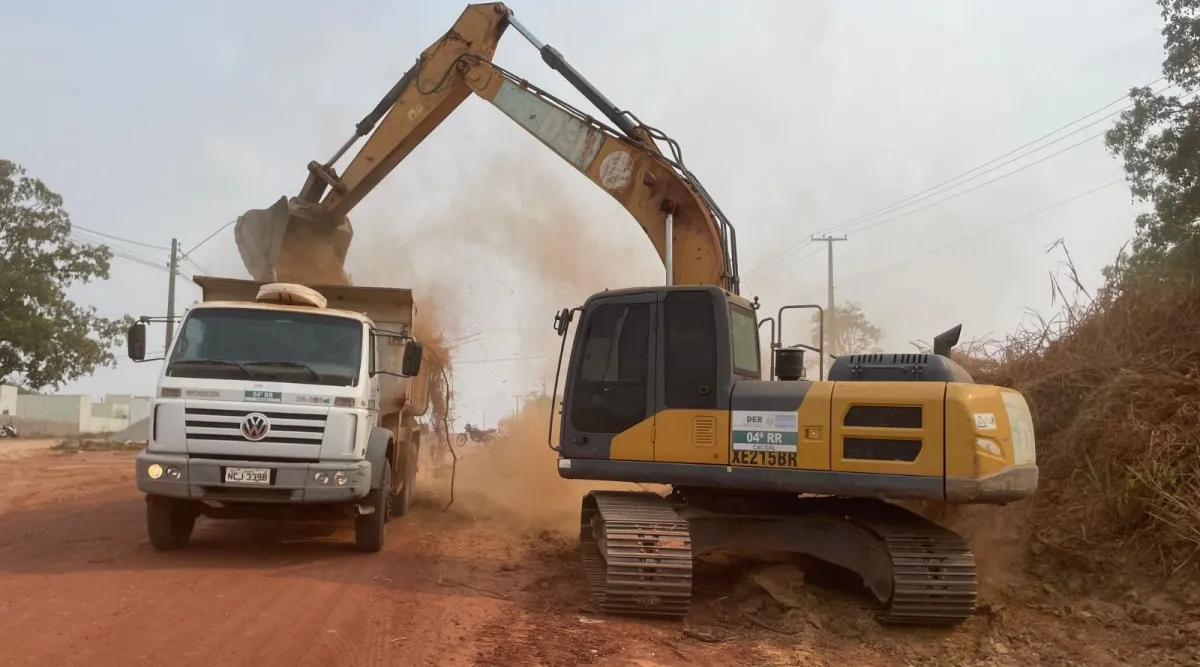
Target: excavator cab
649	360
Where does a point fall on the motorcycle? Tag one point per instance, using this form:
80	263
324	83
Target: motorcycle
477	435
8	431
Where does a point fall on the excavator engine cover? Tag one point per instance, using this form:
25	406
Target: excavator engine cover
293	241
903	367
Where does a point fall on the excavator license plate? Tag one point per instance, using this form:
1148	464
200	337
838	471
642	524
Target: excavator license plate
742	457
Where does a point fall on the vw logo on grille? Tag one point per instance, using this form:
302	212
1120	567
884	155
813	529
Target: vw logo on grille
255	426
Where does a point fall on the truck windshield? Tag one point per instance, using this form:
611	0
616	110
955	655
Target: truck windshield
236	343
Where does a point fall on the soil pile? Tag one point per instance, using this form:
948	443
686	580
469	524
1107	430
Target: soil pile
1114	386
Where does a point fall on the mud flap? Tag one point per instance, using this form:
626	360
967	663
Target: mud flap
377	453
292	241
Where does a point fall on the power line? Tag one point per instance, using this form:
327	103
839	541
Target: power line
956	195
981	185
910	198
929	192
119	238
208	238
199	268
987	231
876	223
120	253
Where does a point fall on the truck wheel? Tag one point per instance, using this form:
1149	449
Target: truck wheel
401	502
371	529
169	523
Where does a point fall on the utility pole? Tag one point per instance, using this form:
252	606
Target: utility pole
830	309
174	268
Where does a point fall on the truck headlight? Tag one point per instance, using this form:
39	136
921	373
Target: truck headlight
174	473
339	478
154	471
321	477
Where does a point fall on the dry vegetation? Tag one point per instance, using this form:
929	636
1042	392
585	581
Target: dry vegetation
1114	385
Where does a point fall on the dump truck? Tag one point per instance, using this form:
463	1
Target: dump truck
284	401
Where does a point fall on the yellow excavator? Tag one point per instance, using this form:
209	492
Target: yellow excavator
665	384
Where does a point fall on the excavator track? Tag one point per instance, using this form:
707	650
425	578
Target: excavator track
933	569
637	553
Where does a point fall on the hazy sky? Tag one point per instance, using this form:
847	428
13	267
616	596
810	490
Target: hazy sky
156	120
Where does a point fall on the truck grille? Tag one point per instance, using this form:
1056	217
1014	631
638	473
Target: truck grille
222	425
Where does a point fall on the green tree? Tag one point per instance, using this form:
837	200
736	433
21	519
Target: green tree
854	333
1159	140
45	338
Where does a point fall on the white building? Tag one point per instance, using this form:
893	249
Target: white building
8	401
63	415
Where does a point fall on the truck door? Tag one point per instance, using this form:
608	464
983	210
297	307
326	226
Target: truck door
610	390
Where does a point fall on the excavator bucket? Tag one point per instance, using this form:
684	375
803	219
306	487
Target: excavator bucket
293	241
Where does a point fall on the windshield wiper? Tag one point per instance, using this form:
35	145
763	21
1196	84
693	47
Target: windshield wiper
217	362
290	364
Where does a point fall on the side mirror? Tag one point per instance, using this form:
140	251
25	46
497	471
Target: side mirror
410	366
135	341
562	320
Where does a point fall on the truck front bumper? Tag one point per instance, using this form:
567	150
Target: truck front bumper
198	478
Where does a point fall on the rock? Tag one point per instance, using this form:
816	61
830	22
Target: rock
785	584
750	605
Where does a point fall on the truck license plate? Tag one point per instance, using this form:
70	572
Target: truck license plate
247	475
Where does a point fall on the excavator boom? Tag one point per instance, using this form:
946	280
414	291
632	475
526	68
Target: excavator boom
310	233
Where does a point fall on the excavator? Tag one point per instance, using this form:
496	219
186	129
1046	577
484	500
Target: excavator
665	384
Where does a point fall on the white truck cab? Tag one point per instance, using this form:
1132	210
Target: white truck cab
284	401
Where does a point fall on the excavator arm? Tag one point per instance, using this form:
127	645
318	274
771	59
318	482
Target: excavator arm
305	238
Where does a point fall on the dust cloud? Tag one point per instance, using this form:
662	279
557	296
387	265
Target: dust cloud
514	479
524	221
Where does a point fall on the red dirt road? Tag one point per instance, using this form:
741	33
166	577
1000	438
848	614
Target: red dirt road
81	585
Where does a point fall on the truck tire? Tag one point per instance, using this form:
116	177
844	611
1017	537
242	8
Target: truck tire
169	522
370	530
402	502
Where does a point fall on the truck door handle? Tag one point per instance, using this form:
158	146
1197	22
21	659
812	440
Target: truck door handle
704	390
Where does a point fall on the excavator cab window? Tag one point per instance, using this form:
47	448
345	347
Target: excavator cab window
689	351
610	394
743	335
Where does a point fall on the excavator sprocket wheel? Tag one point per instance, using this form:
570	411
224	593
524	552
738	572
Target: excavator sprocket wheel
637	553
